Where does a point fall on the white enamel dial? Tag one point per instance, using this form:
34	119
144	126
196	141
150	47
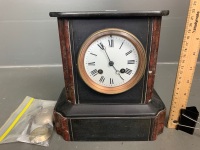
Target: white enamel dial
111	61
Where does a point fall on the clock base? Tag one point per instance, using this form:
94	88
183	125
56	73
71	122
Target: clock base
94	122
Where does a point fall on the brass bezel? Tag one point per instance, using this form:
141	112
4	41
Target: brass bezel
117	89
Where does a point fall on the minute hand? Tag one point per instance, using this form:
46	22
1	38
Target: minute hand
111	63
104	48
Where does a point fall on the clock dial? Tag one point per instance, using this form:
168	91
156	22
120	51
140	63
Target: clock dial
114	63
111	61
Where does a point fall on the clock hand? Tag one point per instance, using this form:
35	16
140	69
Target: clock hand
104	48
117	72
111	63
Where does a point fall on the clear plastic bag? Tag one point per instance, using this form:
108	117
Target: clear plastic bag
31	123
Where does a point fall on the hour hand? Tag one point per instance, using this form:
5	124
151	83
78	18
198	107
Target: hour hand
118	72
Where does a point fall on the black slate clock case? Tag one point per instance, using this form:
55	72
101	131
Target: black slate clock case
134	111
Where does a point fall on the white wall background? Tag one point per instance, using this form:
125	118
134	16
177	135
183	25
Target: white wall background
28	36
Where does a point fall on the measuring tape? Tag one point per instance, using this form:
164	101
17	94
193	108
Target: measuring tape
187	63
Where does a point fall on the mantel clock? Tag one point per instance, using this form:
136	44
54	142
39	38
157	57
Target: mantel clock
109	63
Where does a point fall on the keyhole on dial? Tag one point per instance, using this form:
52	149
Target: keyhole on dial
100	71
122	70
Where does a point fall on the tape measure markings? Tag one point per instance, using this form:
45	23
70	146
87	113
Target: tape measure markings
187	63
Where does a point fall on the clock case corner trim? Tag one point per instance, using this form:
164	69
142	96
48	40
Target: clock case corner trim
155	37
65	45
61	125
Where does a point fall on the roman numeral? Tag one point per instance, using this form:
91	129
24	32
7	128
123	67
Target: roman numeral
121	45
111	42
94	72
102	79
101	46
93	54
128	71
111	81
91	64
131	61
129	52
